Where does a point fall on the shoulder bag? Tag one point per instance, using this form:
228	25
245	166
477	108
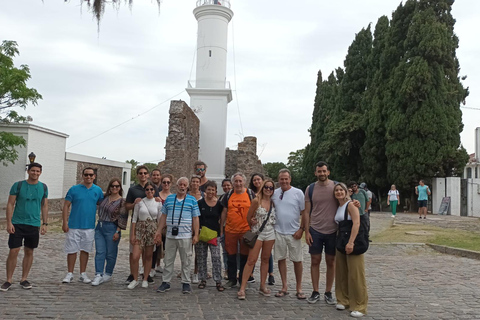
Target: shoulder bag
249	238
345	230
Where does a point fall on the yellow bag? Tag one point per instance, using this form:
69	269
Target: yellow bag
207	234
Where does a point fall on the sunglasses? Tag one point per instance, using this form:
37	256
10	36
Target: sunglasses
166	182
149	189
88	174
269	188
142	173
200	169
115	186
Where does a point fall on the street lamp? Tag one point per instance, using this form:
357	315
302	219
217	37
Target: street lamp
31	157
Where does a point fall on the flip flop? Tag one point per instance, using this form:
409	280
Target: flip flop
265	292
281	294
301	296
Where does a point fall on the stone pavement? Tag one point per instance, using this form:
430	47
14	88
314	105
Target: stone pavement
404	282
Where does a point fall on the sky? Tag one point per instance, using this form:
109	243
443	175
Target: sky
121	77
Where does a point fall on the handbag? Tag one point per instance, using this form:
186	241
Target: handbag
207	234
249	238
361	242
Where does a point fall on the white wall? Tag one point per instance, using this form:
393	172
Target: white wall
49	147
69	176
454	192
438	192
473	196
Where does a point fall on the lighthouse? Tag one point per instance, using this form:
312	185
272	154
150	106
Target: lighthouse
210	93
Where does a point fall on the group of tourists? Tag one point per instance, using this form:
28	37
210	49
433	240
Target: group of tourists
246	222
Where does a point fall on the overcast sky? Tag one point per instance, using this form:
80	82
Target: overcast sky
143	57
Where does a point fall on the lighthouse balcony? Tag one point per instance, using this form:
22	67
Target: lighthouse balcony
223	3
205	84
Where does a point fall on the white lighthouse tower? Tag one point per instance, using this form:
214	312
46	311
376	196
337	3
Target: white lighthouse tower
210	93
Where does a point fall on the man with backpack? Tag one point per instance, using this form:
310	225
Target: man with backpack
233	223
26	203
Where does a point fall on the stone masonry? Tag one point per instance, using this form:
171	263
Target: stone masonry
104	173
244	159
181	148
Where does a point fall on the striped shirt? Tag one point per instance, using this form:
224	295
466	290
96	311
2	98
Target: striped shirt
190	210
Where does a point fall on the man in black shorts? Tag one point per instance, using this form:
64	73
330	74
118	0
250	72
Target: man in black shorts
26	202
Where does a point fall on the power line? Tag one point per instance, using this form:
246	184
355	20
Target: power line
471	108
120	124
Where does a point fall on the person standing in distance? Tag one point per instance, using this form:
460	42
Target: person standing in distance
26	203
80	225
423	191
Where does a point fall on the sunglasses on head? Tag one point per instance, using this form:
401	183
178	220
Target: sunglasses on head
115	186
149	189
88	174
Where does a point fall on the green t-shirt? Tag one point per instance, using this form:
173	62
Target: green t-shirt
28	203
363	198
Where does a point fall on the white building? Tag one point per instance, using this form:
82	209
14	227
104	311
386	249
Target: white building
210	93
61	169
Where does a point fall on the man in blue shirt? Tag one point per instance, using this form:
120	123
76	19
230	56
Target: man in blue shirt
180	214
80	225
27	199
423	191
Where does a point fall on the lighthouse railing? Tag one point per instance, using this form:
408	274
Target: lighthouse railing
205	84
224	3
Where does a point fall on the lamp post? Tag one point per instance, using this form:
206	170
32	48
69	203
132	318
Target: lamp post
31	158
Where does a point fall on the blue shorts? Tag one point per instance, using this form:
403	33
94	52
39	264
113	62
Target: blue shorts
321	241
422	203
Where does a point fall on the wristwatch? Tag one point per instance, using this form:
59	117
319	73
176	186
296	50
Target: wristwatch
45	224
118	232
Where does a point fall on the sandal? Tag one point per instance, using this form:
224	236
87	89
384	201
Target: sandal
241	295
264	292
301	296
281	294
202	284
220	287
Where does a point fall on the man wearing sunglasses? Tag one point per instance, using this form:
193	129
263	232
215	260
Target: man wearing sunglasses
79	226
200	168
135	195
289	207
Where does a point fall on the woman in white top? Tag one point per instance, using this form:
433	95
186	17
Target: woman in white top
144	227
257	215
393	199
350	282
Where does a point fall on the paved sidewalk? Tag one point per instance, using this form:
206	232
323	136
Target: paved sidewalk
404	282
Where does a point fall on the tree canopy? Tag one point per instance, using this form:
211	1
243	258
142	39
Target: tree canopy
14	93
392	113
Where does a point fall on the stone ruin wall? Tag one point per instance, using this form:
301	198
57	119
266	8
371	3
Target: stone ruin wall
181	148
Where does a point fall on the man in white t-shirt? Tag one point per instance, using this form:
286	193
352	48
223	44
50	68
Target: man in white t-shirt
289	206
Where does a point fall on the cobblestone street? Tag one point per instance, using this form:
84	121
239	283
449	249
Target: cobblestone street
404	282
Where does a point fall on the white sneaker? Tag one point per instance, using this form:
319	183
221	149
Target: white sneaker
106	278
132	284
393	216
68	278
97	280
159	269
356	314
152	273
195	278
144	284
340	307
84	278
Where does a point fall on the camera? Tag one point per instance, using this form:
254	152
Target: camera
175	231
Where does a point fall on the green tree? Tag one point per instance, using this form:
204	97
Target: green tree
272	168
300	179
133	172
14	93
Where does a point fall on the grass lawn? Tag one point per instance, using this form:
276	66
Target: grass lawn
447	237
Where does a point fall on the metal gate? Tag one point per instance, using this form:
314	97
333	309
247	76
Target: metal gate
463	197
